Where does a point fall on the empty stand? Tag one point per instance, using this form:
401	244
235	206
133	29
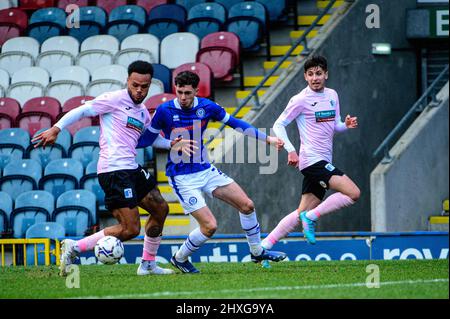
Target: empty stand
14	17
204	72
156	100
75	211
58	52
18	53
51	152
172	56
148	5
9	109
166	19
107	78
28	83
31	207
164	74
8	32
38	113
138	47
85	147
206	18
126	20
36	4
50	230
91	23
97	51
276	9
68	82
109	5
229	3
89	182
74	103
62	4
46	23
13	144
19	176
61	175
6	207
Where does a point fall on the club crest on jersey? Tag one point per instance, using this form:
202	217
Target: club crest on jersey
200	113
332	103
135	124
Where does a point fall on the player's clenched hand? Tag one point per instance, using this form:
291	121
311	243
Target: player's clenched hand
351	122
293	159
188	147
48	137
277	142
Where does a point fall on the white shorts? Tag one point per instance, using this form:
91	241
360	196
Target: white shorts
189	188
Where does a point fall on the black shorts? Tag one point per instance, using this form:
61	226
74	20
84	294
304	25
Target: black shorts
126	188
317	177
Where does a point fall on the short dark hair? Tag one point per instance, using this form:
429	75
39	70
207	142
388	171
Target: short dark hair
140	67
187	78
316	60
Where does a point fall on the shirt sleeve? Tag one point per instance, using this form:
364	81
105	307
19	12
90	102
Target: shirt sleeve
218	113
339	126
152	132
291	112
76	114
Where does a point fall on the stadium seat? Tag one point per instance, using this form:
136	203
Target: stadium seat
62	4
46	23
38	113
204	72
14	17
8	4
109	5
166	19
172	56
68	82
58	52
156	100
61	175
35	4
85	146
275	9
50	230
28	83
156	87
138	47
13	144
188	4
8	32
9	109
74	103
149	5
97	51
18	53
92	21
164	74
221	52
107	78
76	211
229	3
19	176
89	182
248	21
127	20
51	152
206	18
6	207
31	207
4	78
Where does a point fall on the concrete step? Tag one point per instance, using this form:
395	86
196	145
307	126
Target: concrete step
253	81
281	50
294	35
438	223
307	20
322	4
445	206
269	65
242	112
174	209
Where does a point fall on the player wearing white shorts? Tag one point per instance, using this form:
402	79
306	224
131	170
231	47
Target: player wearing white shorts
123	118
316	111
189	178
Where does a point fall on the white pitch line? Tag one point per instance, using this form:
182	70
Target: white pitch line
209	292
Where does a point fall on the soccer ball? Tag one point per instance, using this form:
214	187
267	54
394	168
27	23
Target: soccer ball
109	250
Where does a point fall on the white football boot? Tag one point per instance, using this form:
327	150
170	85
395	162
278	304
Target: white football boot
146	269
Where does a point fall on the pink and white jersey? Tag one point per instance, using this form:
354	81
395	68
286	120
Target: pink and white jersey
318	117
121	124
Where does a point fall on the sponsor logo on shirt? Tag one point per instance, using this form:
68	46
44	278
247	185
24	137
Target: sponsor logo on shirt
325	116
176	117
135	124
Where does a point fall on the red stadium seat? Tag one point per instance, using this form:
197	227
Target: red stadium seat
221	52
73	103
15	17
35	4
153	102
150	4
8	32
64	3
204	72
38	113
9	110
108	5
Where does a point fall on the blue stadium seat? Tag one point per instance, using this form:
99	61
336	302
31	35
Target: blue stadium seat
90	182
46	23
20	176
229	3
13	144
188	4
61	175
163	73
206	18
6	207
126	20
166	19
31	207
85	147
92	22
248	21
50	230
75	210
276	9
50	152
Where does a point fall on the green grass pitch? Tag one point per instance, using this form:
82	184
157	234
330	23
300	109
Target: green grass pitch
286	280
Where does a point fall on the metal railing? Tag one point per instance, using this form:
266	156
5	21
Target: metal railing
47	250
417	107
300	41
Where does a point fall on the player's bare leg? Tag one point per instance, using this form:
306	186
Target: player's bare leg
234	195
158	208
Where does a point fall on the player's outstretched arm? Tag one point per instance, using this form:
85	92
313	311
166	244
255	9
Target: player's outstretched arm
48	137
